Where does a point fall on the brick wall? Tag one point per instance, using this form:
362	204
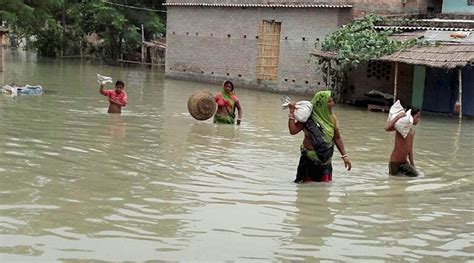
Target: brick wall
213	44
389	7
360	7
361	83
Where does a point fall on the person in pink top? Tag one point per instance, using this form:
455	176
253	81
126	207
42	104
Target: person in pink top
117	97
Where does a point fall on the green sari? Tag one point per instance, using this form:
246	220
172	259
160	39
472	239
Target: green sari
227	100
325	119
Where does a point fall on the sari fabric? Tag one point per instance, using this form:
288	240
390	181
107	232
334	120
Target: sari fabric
227	100
315	165
322	115
320	129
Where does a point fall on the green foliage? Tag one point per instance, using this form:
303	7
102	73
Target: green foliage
27	17
356	43
59	26
359	41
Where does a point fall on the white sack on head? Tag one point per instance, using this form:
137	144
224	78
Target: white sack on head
303	110
404	124
104	79
395	110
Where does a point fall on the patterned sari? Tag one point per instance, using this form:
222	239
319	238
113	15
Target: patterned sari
225	100
315	165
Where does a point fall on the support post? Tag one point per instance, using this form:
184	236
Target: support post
460	92
395	83
1	52
143	48
80	49
328	76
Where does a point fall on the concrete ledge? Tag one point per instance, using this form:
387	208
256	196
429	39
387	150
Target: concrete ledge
267	86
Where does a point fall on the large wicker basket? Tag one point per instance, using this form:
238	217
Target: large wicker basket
201	105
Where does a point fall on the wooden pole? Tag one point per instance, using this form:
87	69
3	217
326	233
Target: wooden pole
143	48
395	83
63	16
328	77
1	52
80	48
460	92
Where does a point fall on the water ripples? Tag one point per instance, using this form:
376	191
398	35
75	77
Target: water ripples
153	183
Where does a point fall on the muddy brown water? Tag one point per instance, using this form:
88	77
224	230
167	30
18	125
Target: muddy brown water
155	184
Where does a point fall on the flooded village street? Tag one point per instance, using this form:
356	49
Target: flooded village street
155	184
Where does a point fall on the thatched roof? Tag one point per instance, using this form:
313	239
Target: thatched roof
442	56
451	53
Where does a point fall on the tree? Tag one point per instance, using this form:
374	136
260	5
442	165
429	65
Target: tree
63	25
29	18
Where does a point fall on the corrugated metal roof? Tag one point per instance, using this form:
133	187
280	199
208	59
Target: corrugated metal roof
261	5
443	36
423	28
406	36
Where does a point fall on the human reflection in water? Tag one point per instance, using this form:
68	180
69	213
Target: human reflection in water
313	220
116	127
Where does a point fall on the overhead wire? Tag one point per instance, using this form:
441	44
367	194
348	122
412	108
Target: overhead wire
135	7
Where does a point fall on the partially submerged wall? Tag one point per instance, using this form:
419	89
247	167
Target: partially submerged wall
211	44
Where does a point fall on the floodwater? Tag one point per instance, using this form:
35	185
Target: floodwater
78	184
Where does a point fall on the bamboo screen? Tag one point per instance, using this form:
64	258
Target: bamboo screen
268	50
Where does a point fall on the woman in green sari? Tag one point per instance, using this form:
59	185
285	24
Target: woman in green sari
227	102
321	133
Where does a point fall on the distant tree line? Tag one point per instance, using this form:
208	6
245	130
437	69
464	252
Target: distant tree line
96	28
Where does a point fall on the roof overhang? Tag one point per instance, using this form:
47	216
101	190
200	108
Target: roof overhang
446	56
422	28
260	5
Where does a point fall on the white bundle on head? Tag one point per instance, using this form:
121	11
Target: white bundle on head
395	110
404	124
104	79
303	110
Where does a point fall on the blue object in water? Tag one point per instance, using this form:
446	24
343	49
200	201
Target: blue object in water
22	90
30	90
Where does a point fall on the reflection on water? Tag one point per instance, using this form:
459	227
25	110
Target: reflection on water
153	183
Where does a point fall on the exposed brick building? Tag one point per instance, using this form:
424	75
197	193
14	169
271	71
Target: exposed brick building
3	31
395	7
258	43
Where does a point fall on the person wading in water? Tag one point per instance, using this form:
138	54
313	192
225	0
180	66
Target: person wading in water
117	97
401	159
227	102
321	132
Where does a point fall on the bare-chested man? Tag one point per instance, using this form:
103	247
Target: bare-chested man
401	159
117	97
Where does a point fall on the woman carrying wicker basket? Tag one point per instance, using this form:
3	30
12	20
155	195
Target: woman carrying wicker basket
227	102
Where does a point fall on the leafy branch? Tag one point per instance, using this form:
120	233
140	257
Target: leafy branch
356	43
